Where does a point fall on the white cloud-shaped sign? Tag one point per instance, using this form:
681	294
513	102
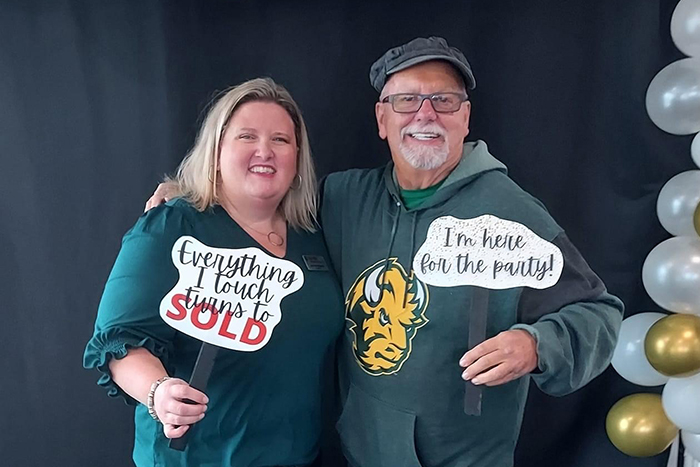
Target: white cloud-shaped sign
488	252
228	297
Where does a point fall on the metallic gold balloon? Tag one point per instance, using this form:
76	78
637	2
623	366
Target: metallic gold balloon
696	217
672	345
637	425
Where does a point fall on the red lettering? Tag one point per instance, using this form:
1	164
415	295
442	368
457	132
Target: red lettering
223	331
213	316
262	331
178	302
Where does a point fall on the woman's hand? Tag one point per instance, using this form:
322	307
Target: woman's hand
178	406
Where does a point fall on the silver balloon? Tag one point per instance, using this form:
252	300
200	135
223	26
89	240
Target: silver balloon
671	274
681	401
677	202
695	149
685	27
673	97
691	442
629	359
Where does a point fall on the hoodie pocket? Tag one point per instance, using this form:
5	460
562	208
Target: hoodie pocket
374	434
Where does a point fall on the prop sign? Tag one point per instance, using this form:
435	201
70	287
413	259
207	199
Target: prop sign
228	297
488	252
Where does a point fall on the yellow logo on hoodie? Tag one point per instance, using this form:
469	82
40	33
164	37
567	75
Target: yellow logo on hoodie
385	307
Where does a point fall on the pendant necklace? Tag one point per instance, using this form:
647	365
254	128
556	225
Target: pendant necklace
273	237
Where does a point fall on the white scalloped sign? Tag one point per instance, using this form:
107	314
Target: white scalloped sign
486	251
228	297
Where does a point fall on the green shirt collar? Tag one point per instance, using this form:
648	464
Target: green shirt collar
414	198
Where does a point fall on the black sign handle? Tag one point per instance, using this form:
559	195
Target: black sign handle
198	380
477	335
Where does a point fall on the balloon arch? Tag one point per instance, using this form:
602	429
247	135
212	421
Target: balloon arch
657	348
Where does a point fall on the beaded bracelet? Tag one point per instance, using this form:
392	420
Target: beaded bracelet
151	393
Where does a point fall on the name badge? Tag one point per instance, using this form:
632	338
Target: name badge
315	262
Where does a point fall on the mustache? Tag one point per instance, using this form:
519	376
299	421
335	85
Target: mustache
431	127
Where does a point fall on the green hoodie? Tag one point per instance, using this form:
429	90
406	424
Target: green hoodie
403	396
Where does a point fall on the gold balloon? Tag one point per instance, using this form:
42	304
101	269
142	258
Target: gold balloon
672	345
637	425
696	219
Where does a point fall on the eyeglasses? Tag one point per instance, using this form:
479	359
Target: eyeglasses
443	102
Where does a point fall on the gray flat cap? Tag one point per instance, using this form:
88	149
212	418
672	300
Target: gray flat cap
418	51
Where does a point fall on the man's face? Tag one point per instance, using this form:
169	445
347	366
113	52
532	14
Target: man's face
425	139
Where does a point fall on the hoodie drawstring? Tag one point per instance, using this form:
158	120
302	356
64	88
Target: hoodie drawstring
410	257
394	228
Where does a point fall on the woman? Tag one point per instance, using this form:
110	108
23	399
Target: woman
248	178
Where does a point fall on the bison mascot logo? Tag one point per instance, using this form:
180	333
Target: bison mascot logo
385	307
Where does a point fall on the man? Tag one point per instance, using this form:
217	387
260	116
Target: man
428	246
451	273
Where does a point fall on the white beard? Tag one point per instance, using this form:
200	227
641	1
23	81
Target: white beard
424	157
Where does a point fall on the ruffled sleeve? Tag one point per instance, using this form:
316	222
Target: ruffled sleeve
115	343
128	315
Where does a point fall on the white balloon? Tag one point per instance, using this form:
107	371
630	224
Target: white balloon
671	274
673	97
681	402
685	27
689	461
695	149
691	442
677	202
629	359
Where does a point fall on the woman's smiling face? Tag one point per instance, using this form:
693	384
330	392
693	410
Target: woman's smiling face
258	157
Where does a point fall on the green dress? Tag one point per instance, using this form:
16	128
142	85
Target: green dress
265	405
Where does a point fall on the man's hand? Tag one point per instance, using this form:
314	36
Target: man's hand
503	358
162	195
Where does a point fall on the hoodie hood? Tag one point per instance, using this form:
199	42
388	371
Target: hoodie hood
476	161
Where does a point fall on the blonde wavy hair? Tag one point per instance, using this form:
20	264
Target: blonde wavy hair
195	180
